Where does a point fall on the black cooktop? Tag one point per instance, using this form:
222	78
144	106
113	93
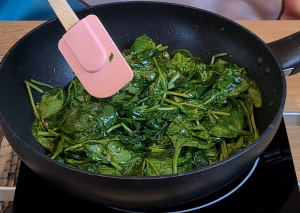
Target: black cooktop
270	186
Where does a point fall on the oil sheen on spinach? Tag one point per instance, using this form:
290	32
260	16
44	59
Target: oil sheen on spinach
176	115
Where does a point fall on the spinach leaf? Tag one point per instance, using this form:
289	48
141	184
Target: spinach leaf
183	52
51	103
221	129
201	159
254	94
141	44
158	165
77	94
90	118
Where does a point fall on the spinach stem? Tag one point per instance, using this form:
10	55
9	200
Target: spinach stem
31	100
180	104
76	146
143	167
158	46
45	134
166	108
192	105
198	128
176	99
69	91
172	81
216	117
220	113
177	94
161	48
209	100
141	107
59	148
171	102
88	141
130	132
164	96
161	76
210	117
56	128
70	141
253	122
215	56
135	119
35	87
239	143
102	141
176	154
141	101
158	148
114	127
152	108
241	131
114	164
53	132
42	84
248	116
224	152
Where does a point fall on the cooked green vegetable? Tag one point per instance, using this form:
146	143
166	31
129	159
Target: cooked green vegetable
176	115
111	57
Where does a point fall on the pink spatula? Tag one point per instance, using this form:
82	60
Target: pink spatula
91	53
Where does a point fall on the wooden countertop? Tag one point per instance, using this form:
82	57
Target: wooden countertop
269	31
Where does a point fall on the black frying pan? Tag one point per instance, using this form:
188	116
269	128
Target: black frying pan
36	56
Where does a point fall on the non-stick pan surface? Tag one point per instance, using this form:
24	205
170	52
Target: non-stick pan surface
36	56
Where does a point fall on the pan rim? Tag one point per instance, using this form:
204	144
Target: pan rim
199	170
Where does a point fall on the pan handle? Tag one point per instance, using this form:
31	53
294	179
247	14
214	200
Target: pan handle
287	51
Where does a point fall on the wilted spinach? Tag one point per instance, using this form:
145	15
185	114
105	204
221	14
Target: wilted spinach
177	114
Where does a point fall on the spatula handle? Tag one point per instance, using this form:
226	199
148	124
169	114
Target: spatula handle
64	13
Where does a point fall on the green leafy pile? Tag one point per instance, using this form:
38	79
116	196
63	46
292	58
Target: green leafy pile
176	115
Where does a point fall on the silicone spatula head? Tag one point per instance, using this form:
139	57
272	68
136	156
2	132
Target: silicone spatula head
91	53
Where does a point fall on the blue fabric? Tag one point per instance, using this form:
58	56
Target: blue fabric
16	10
